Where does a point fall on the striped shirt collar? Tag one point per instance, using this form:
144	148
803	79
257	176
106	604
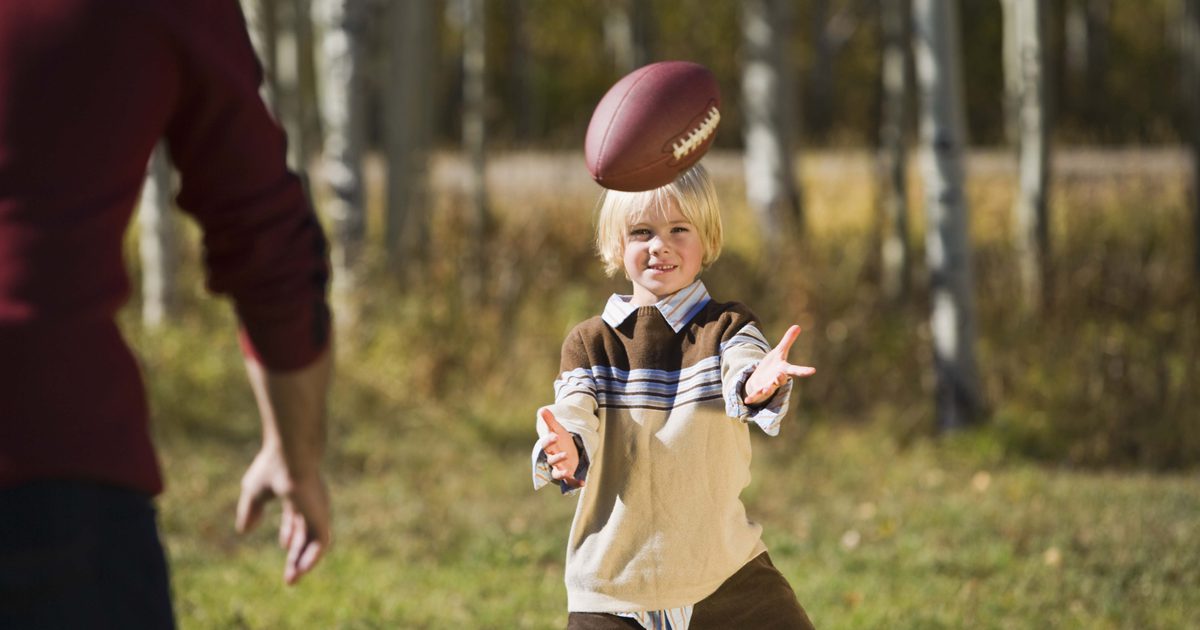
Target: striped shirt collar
678	308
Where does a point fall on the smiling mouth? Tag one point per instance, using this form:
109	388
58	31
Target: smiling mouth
663	267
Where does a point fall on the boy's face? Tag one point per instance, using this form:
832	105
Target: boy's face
663	254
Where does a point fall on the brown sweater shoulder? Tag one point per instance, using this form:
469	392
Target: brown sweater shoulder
729	316
593	342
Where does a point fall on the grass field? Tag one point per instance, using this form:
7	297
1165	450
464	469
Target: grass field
941	535
1077	506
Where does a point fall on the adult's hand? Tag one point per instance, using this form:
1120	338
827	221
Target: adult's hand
304	526
292	408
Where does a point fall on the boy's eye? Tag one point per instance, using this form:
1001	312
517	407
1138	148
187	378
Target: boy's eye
679	228
639	233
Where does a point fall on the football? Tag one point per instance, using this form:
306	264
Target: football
652	125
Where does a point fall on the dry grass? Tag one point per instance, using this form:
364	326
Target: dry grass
875	522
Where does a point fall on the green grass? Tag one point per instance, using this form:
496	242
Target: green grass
436	524
438	528
1071	508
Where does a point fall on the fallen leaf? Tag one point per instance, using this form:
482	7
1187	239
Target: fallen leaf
1052	557
851	539
981	481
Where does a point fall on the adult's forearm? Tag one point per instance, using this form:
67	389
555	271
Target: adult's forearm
292	407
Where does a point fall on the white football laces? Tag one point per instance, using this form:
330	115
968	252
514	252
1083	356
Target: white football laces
698	135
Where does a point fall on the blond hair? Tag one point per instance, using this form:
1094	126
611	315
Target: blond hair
692	192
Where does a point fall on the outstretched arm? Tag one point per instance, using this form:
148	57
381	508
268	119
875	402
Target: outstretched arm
569	430
774	370
292	408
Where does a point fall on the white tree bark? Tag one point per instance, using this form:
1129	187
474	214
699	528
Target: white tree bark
474	123
628	28
1011	53
769	105
157	241
895	254
281	32
1087	49
409	105
262	21
948	252
832	26
308	115
1030	208
1086	32
343	57
474	139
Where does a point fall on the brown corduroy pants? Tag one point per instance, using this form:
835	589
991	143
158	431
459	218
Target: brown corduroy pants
757	596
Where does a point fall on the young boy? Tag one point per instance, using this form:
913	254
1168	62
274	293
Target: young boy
649	426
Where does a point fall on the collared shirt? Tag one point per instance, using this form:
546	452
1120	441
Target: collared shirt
678	308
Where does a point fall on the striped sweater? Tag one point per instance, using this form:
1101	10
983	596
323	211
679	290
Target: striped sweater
654	394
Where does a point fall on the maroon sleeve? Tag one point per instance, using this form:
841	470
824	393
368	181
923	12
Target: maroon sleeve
263	244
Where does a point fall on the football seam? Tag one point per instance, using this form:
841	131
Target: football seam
613	119
697	136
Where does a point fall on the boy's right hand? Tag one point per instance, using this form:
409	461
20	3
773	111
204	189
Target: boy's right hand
561	453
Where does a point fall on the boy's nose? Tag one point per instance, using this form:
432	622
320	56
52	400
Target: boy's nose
657	244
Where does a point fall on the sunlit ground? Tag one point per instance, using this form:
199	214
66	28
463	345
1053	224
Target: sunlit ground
1077	506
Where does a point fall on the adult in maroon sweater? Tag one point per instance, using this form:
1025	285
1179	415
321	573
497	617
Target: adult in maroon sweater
87	88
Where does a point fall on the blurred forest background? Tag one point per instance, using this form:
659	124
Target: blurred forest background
983	213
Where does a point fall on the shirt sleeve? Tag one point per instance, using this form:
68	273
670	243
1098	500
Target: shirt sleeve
740	355
263	245
575	408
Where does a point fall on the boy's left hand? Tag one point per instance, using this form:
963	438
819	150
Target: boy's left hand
774	370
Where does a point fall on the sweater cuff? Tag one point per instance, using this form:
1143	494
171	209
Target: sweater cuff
541	469
284	346
768	414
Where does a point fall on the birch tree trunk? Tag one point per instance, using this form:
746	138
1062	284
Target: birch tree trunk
281	32
1087	47
474	139
343	57
831	30
1190	47
308	115
520	69
262	22
819	88
1011	53
895	253
628	32
1030	208
948	252
409	117
157	241
769	103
